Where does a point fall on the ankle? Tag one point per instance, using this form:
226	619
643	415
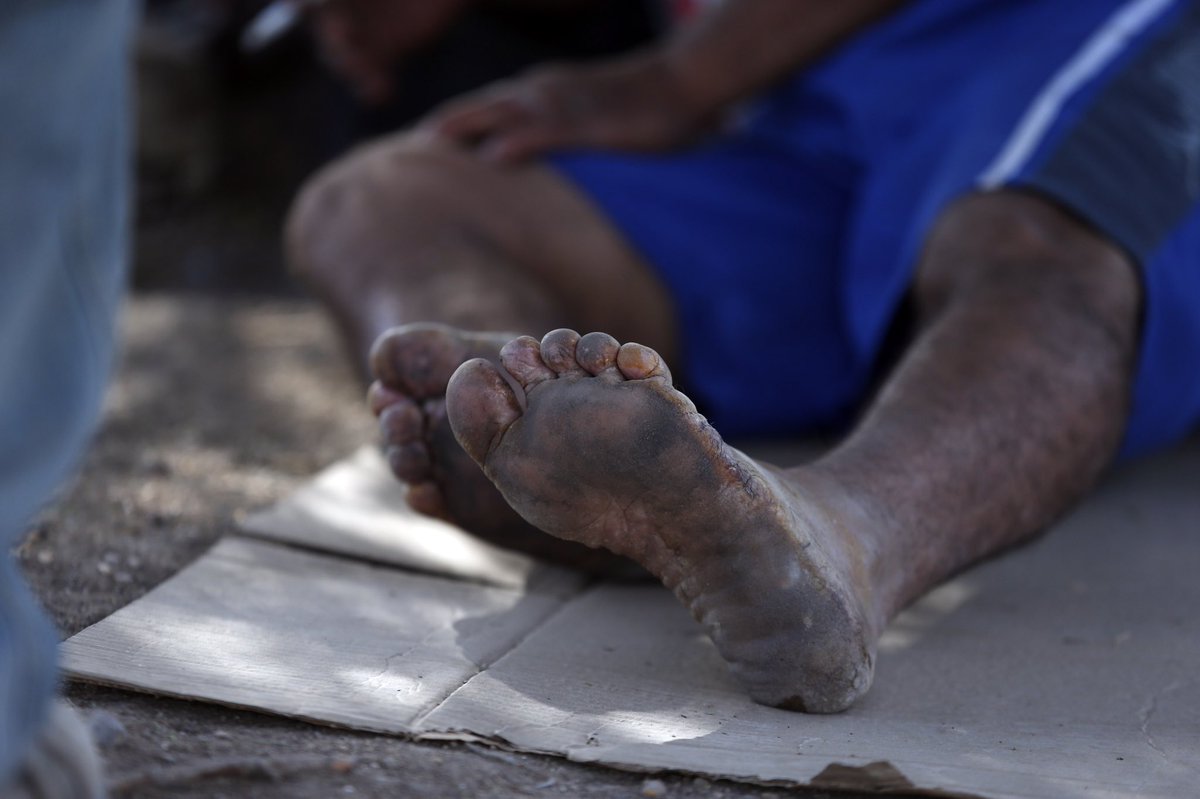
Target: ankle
859	534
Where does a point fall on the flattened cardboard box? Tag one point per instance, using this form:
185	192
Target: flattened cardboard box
1065	668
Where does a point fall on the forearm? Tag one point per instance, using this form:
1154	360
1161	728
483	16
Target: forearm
742	46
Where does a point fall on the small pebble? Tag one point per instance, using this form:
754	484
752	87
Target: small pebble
112	558
654	788
104	568
701	784
45	556
123	577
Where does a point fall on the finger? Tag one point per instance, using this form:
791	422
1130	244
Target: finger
520	144
478	118
553	126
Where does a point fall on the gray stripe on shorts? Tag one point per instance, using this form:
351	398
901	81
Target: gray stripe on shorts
1130	165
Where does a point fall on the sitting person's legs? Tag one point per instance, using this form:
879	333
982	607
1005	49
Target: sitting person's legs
1007	404
1039	354
411	230
1002	413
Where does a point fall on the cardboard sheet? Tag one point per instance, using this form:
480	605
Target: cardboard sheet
1067	668
357	508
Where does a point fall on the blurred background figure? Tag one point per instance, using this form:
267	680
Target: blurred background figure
63	225
401	58
226	135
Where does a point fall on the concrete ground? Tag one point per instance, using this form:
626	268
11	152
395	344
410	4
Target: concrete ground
221	406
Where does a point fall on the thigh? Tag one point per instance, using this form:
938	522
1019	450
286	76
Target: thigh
789	243
746	232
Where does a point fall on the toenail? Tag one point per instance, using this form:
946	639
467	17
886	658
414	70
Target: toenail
558	350
637	361
597	352
522	358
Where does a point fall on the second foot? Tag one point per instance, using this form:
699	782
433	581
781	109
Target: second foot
412	365
588	441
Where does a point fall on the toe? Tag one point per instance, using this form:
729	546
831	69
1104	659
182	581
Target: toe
558	351
522	358
401	422
427	498
401	426
597	352
417	359
385	357
481	405
381	397
639	362
409	462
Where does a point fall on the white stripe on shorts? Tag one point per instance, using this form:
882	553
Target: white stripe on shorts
1101	48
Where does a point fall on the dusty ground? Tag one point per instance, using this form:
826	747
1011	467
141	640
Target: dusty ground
222	406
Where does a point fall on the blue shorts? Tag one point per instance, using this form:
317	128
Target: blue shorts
789	241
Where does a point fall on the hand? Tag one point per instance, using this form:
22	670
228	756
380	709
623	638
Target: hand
637	103
362	40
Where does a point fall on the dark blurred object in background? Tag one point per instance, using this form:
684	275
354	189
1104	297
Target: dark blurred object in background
225	137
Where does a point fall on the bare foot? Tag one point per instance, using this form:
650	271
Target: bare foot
594	445
412	365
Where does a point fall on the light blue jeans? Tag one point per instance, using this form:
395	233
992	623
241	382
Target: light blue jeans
64	68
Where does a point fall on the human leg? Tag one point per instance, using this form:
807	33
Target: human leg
63	220
410	229
983	434
1009	401
423	253
729	229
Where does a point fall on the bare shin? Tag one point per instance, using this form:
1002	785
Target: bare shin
1010	401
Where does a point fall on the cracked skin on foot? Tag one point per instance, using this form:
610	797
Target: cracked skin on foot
599	448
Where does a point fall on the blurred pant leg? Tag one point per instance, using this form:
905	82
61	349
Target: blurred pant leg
63	230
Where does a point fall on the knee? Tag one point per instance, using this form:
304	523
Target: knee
354	209
1017	244
308	216
324	216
